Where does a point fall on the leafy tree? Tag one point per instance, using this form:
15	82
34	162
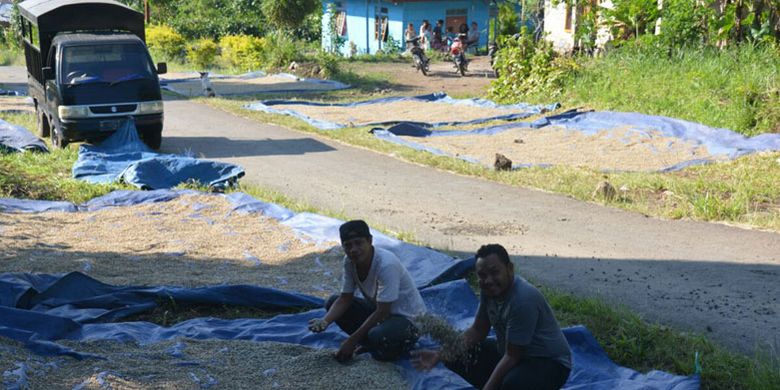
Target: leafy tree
508	20
207	18
288	14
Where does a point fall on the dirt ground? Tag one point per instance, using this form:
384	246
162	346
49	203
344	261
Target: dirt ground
442	77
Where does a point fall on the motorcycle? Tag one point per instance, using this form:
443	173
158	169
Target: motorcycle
418	56
458	54
493	53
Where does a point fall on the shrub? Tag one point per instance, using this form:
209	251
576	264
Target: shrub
528	66
202	53
281	50
164	41
328	63
243	52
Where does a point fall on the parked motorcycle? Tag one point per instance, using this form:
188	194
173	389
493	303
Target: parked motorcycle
418	56
458	54
493	53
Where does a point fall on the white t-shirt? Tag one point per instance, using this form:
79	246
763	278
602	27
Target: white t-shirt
388	281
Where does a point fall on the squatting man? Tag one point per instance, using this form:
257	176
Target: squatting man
530	351
379	322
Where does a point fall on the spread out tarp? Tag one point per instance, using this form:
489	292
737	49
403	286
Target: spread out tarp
241	84
8	92
40	309
15	138
723	142
439	97
124	157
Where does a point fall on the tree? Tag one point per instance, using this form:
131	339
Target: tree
288	14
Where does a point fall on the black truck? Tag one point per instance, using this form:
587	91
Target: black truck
88	69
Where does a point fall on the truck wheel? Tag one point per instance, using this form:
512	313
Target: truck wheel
57	140
41	123
152	139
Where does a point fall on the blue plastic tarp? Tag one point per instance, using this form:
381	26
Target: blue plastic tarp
15	138
40	309
439	97
124	157
722	142
330	85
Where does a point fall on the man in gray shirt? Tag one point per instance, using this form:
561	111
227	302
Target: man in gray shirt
380	321
530	352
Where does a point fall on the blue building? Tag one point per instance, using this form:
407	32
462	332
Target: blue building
366	26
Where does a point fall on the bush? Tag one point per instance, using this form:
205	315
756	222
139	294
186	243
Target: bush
165	42
243	52
202	53
526	66
281	51
328	63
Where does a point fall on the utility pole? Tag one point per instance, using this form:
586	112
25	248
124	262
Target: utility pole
147	12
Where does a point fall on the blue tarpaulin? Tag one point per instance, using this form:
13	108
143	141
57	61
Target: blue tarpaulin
439	97
330	85
721	142
124	157
41	309
15	138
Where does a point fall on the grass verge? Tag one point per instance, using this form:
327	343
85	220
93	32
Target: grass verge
627	338
742	192
736	88
645	346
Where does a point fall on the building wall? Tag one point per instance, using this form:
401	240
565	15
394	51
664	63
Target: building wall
554	26
562	38
476	11
361	20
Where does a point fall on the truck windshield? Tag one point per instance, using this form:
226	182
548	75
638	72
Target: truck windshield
105	63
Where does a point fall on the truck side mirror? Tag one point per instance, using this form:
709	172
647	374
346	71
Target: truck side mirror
162	68
48	73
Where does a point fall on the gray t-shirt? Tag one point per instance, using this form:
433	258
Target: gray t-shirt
525	319
387	281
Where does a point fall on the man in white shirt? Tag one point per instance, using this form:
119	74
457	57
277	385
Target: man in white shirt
380	321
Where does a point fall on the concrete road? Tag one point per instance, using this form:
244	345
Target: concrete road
709	278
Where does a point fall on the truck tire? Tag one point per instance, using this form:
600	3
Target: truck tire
152	139
57	140
41	123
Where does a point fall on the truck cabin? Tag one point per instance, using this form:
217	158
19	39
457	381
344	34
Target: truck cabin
44	20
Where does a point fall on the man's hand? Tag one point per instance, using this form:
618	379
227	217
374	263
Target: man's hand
346	351
318	325
424	360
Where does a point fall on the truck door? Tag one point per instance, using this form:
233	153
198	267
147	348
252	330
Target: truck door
51	94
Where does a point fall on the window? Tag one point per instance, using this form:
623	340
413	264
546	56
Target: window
341	22
567	23
380	24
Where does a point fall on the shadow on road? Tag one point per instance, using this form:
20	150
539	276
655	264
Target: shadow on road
219	147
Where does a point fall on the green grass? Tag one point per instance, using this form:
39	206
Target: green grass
10	56
45	176
743	191
737	88
644	346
